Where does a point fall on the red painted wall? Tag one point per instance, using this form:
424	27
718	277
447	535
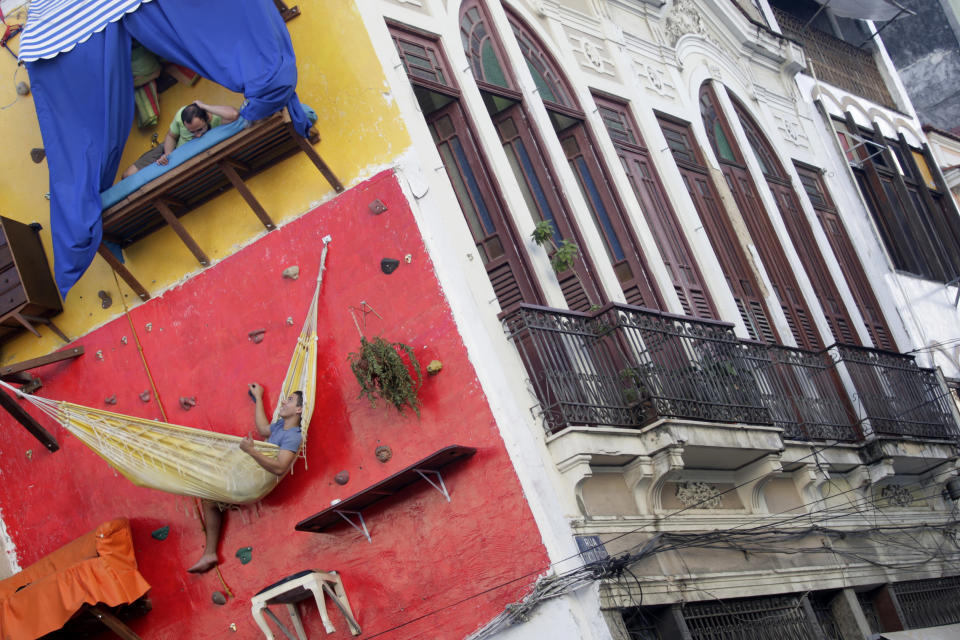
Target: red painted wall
426	554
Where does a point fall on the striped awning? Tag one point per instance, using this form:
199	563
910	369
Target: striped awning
56	26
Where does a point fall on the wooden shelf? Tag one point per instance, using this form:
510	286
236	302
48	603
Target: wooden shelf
340	512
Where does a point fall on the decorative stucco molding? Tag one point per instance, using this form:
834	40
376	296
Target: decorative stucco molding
699	495
592	56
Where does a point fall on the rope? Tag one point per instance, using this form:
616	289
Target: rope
136	338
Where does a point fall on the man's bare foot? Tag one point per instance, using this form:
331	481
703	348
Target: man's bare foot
206	562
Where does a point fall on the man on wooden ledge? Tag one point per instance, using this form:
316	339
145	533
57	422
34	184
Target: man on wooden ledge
191	121
285	433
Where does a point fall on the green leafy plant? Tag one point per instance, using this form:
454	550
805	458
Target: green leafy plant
563	255
381	371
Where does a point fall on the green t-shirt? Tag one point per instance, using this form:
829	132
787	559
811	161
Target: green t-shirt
177	128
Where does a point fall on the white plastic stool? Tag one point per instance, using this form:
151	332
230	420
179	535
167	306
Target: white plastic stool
295	588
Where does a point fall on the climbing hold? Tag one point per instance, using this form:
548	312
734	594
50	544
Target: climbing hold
434	367
105	299
245	554
99	354
123	339
29	454
23	89
233	627
408	258
290	321
37	154
383	453
291	273
161	533
256	337
377	207
218	598
342	478
389	265
110	400
149	327
187	403
145	396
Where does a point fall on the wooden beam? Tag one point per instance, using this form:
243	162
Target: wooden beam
49	323
35	428
113	623
33	363
180	231
122	271
317	160
245	193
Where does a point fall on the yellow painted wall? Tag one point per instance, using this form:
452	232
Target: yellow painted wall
360	129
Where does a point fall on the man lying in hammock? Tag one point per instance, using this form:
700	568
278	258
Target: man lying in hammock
285	433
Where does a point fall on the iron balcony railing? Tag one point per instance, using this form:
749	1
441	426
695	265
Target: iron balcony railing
676	366
837	62
574	380
808	402
624	366
896	397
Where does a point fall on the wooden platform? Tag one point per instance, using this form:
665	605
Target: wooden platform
203	177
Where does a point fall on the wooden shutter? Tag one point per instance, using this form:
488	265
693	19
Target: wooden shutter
846	256
667	233
493	233
729	251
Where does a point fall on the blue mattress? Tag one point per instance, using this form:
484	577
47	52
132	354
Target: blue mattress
181	154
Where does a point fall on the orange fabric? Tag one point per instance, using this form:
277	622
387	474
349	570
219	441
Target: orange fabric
98	567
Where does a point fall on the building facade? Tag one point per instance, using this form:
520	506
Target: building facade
691	271
755	215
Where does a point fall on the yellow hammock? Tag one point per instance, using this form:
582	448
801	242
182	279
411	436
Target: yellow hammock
184	460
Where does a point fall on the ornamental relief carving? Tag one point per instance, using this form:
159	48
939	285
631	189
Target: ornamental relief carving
791	131
699	495
591	55
684	18
654	79
897	495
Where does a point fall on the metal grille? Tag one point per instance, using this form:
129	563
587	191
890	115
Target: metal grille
640	624
865	598
575	381
675	366
837	62
895	395
806	400
753	619
627	366
929	603
821	608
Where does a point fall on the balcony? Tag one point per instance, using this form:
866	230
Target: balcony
628	367
895	397
837	62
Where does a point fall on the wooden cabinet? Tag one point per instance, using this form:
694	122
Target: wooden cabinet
28	294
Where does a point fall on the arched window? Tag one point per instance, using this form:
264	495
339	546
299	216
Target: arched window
620	240
799	230
496	239
758	224
482	53
730	253
524	152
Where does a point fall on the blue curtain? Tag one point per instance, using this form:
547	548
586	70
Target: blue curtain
84	100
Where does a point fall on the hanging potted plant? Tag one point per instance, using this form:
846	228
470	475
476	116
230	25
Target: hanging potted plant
383	368
563	255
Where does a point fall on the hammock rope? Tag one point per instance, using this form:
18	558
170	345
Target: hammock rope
185	460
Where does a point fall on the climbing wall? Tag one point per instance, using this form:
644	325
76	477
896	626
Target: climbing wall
434	569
